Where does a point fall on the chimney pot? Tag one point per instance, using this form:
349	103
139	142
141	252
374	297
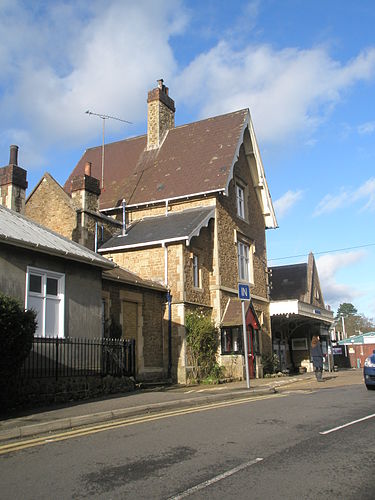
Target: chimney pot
160	83
88	168
13	158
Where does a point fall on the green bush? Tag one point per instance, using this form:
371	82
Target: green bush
17	328
202	339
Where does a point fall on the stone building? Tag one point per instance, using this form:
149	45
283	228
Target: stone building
59	279
194	205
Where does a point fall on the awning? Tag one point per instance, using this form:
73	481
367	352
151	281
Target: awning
363	338
288	307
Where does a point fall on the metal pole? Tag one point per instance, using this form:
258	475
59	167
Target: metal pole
344	335
343	327
246	353
103	152
105	117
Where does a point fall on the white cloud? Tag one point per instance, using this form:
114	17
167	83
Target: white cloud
77	55
366	128
367	190
284	204
364	194
81	56
331	203
288	91
328	267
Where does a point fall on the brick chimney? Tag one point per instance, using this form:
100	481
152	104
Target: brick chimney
160	115
85	194
85	190
13	183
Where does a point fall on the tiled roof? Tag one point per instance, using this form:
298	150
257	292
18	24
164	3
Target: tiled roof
176	226
194	158
288	282
20	231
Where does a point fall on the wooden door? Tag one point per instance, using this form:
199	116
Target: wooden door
130	320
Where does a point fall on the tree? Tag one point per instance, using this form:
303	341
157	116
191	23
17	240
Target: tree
346	309
17	328
354	322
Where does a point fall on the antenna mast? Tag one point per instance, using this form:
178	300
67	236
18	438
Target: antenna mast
104	118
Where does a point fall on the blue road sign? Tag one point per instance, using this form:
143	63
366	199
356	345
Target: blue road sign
243	291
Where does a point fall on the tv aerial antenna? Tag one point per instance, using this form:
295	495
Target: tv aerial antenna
104	118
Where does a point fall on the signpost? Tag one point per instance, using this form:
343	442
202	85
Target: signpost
244	294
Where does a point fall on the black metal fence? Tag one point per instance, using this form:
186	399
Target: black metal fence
72	357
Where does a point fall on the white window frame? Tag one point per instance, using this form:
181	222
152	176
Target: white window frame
196	271
240	200
245	261
43	296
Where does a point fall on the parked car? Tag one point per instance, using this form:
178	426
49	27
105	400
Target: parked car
369	371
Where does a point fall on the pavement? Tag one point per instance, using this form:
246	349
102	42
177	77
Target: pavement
157	399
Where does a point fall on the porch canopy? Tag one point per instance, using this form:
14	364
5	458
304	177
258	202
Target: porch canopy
294	316
293	325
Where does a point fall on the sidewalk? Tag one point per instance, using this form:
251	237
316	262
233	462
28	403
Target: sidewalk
145	401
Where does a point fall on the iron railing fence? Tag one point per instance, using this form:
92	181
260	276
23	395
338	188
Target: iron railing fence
67	357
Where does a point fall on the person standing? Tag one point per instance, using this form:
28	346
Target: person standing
317	357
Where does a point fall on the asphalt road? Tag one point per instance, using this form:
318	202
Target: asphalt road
268	447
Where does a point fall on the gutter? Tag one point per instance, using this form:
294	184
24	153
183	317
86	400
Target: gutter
163	200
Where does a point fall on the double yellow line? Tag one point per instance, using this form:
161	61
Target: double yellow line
86	431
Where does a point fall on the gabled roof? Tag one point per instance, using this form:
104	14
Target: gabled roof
296	281
20	231
233	314
288	282
194	159
56	185
174	227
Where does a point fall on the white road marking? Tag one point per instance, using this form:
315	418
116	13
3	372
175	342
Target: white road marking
348	424
215	479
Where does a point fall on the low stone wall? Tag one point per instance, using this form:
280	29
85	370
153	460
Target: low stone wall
33	393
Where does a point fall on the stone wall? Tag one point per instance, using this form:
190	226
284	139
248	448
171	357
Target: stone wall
32	393
202	247
153	330
51	207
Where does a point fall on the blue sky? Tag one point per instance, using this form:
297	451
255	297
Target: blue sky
305	68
